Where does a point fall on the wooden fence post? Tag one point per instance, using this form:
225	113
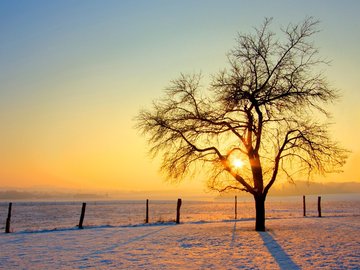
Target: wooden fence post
304	206
7	227
82	216
235	207
178	211
147	211
319	205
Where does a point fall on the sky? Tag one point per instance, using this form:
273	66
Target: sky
74	74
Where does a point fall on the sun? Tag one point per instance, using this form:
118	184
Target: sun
238	163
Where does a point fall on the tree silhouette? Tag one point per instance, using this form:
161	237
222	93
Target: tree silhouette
260	119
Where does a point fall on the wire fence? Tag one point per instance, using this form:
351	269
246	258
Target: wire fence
37	216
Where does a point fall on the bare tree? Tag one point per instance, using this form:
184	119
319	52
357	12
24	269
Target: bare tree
259	120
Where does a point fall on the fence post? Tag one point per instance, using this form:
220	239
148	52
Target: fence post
178	211
319	205
147	211
304	206
7	227
235	207
82	216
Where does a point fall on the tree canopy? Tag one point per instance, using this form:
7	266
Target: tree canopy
260	118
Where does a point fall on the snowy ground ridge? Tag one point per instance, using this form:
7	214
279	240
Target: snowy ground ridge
291	243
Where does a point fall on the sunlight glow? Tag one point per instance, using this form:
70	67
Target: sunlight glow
238	163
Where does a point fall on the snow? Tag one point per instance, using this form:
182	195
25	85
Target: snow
331	242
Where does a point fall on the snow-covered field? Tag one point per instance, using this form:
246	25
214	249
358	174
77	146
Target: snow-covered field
290	243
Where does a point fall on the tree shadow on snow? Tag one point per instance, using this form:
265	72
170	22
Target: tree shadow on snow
281	257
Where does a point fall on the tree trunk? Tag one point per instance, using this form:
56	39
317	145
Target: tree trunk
260	212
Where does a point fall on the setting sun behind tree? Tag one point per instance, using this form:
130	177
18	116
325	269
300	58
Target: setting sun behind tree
238	163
